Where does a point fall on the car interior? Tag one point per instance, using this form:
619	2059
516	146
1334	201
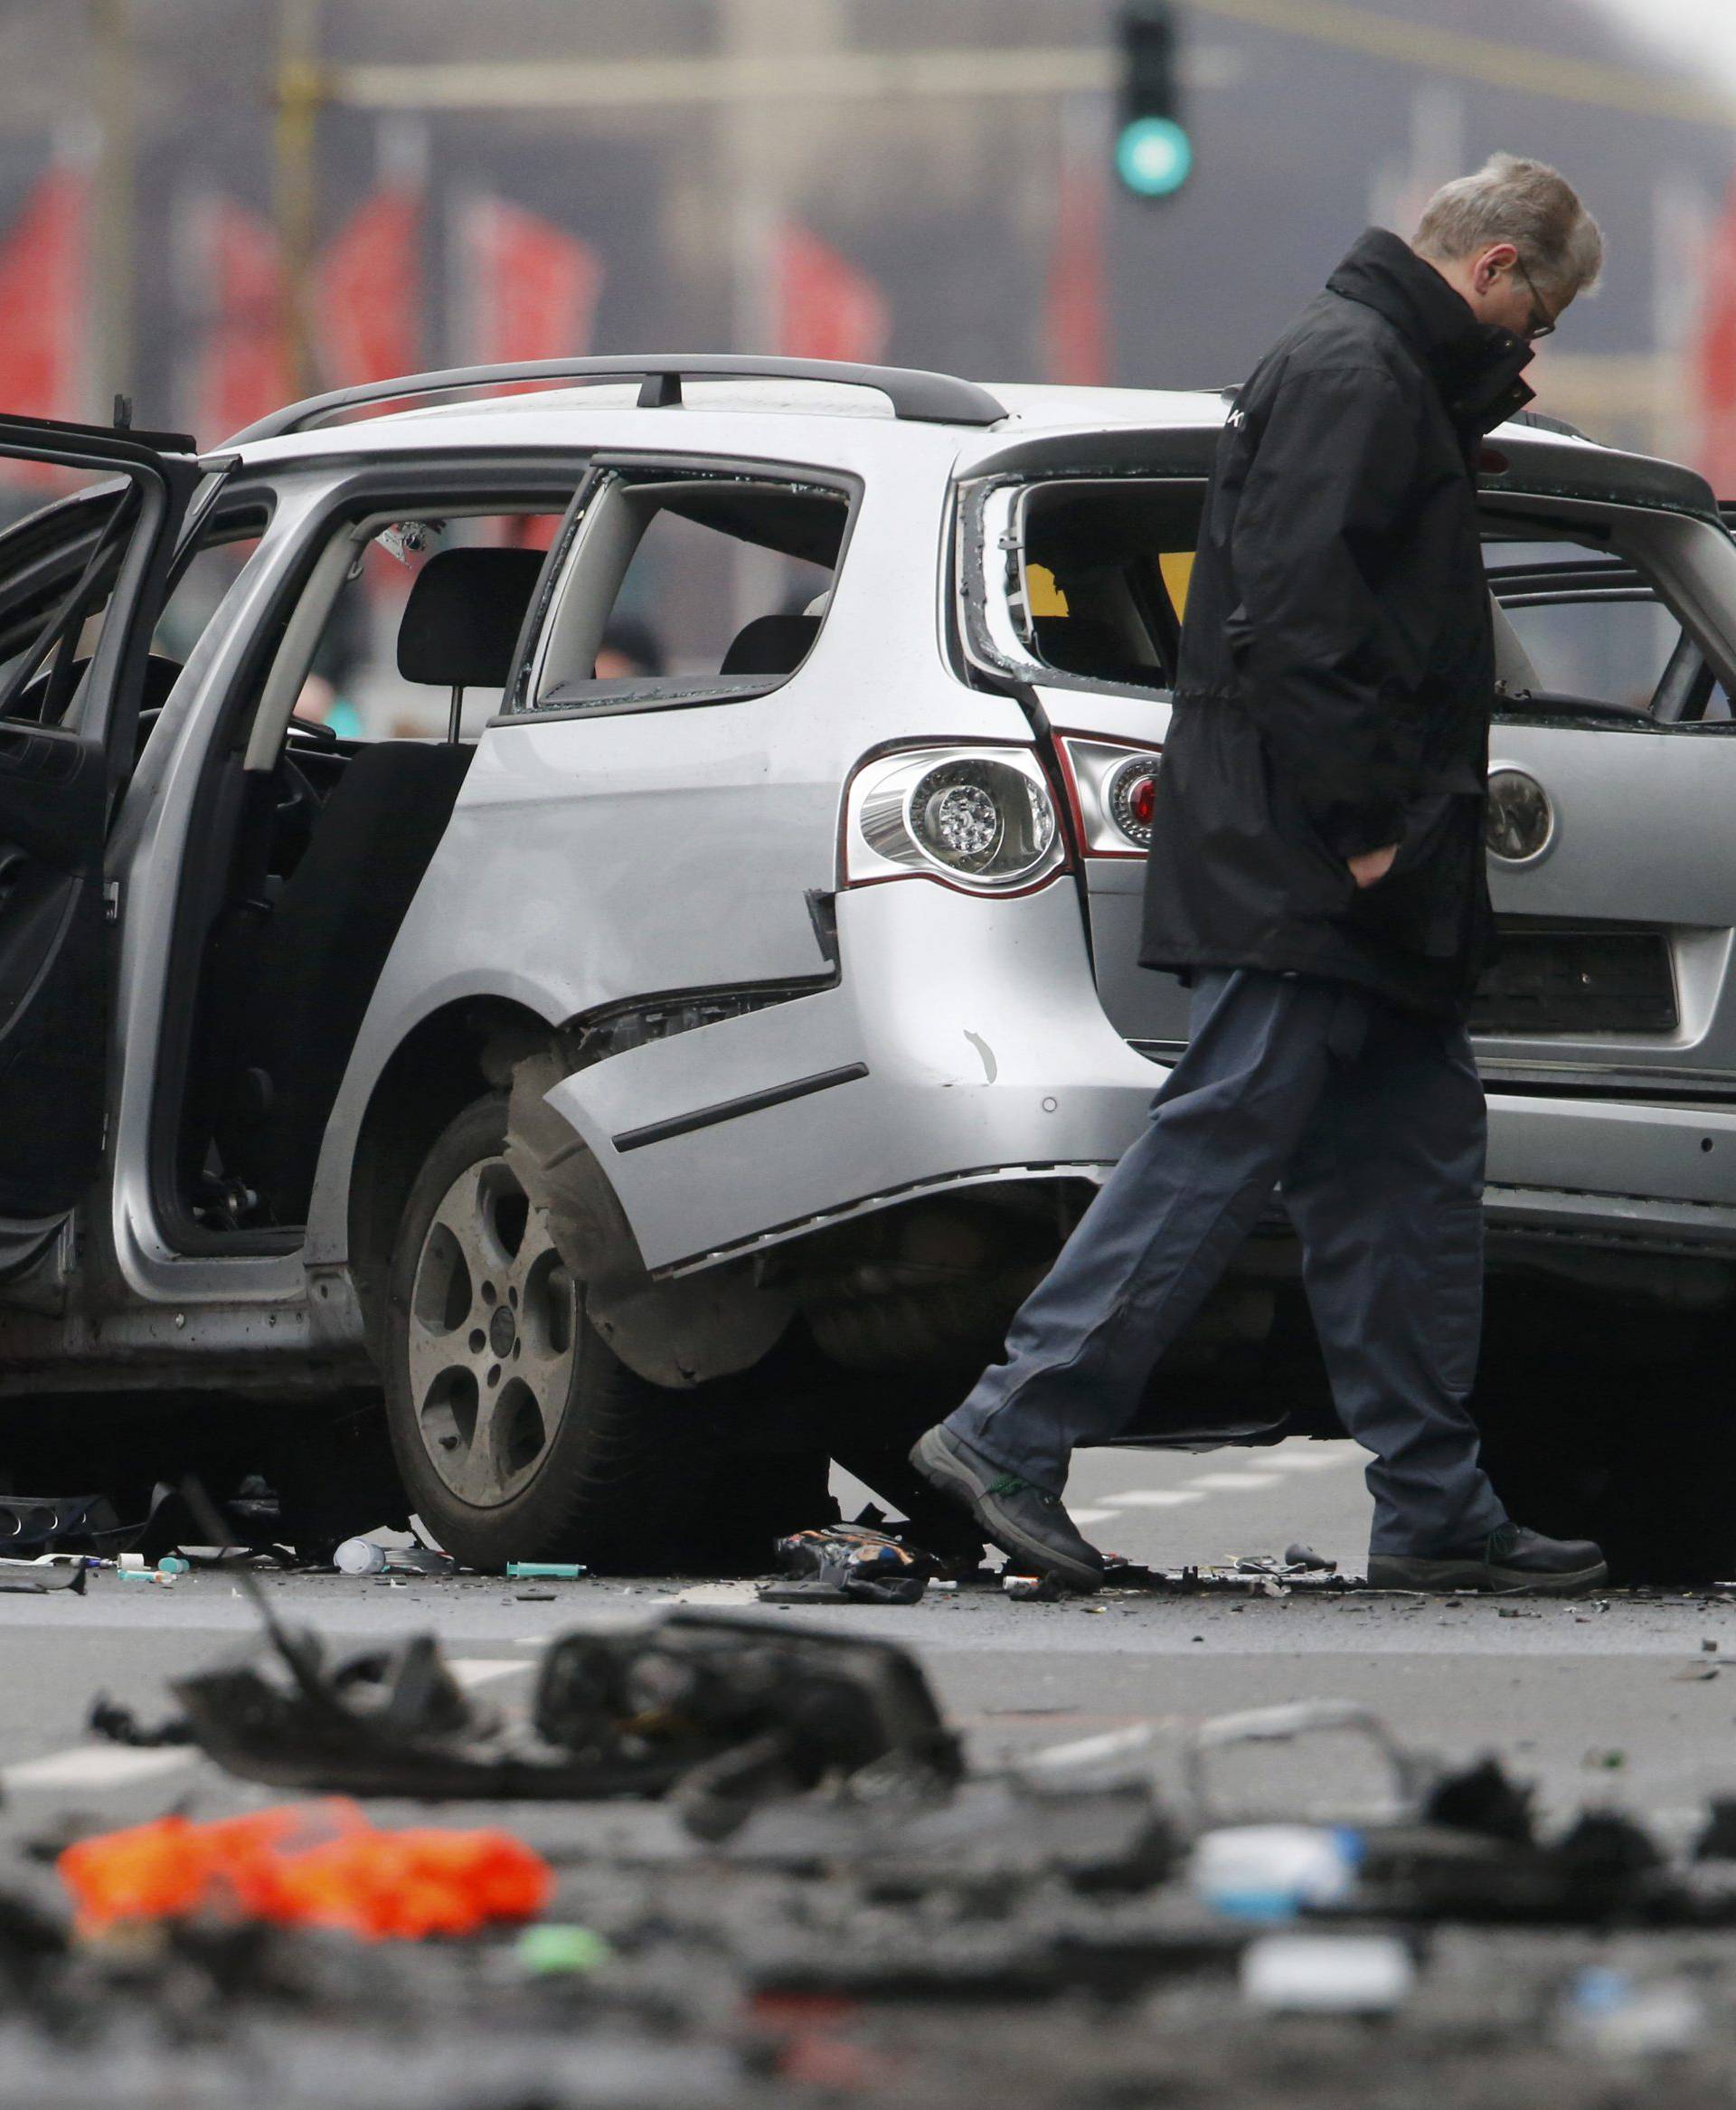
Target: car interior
315	846
1583	631
633	526
320	841
1105	576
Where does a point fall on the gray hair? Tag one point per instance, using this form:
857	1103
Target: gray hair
1526	202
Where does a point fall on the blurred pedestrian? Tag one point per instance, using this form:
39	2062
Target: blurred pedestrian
631	650
1317	873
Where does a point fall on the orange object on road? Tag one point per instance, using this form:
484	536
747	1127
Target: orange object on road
321	1865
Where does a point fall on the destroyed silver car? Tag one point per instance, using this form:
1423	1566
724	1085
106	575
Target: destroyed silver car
668	1080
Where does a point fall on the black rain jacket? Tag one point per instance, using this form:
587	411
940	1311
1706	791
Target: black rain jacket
1337	663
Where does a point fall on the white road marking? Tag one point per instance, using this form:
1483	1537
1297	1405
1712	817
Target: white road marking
1090	1515
1152	1498
481	1669
96	1766
1318	1458
1231	1482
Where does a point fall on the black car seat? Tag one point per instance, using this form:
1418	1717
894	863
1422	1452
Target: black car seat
323	951
771	644
1087	645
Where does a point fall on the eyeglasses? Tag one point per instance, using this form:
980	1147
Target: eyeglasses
1535	331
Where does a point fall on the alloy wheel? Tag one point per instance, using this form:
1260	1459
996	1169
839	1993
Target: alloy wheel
493	1317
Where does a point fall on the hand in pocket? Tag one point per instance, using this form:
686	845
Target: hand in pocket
1371	867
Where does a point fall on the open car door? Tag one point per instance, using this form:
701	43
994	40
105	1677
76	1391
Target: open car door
83	581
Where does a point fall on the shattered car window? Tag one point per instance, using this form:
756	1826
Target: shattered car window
687	590
1107	568
1593	626
58	566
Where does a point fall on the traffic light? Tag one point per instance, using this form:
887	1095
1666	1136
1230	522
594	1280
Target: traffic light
1154	155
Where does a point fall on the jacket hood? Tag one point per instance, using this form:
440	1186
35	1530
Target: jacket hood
1475	365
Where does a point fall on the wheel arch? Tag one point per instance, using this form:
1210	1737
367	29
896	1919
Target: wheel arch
676	1335
438	1067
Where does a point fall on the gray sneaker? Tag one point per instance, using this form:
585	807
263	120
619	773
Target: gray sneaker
1024	1521
1508	1560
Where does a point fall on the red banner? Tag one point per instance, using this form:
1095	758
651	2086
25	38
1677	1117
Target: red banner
527	289
368	291
1714	357
827	307
1076	305
241	362
43	299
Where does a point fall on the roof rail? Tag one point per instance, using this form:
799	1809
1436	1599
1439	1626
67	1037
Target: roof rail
933	399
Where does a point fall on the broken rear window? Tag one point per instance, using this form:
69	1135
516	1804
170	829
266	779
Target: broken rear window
1103	577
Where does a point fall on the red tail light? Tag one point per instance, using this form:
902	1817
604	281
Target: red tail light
1111	787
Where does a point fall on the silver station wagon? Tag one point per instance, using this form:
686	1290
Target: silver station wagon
634	1081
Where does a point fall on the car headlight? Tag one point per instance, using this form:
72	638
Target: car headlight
982	817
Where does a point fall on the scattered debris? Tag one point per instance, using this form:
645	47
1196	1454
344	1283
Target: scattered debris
365	1556
552	1949
1717	1842
840	1859
1411	1774
299	1868
1327	1974
1307	1559
1004	1828
1485	1799
730	1710
1606	2013
548	1571
41	1578
848	1564
119	1724
1283	1568
1274	1871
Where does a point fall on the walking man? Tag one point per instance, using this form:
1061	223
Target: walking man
1317	872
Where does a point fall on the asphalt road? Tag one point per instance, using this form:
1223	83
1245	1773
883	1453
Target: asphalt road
1613	1701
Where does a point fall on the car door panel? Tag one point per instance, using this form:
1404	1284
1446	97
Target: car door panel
1643	823
864	1093
691	837
57	781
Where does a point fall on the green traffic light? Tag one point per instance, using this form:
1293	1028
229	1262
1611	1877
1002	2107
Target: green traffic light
1153	157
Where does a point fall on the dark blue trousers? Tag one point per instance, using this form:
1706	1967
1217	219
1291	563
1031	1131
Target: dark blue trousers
1372	1122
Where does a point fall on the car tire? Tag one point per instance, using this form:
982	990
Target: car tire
519	1434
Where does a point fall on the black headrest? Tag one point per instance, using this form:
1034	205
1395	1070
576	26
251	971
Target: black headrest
771	644
463	617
